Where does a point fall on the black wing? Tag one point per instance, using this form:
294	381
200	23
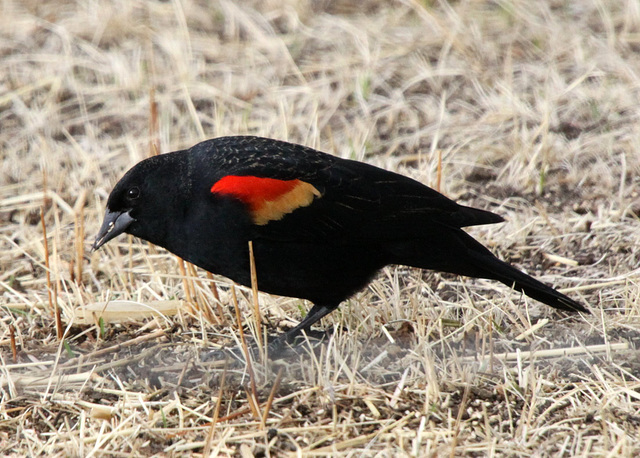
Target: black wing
358	201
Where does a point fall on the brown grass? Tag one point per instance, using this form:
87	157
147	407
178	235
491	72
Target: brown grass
530	109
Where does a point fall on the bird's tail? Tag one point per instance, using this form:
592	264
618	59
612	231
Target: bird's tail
455	251
493	268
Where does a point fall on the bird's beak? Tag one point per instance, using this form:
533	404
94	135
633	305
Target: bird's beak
114	224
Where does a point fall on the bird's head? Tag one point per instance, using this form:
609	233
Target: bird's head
140	202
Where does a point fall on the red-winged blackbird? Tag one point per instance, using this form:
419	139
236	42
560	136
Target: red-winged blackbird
321	226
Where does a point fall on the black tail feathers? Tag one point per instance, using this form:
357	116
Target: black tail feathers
498	270
459	253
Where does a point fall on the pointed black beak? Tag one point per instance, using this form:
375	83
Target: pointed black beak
114	224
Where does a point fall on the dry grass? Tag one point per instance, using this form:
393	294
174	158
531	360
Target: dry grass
534	110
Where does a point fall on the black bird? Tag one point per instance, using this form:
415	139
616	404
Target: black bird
321	226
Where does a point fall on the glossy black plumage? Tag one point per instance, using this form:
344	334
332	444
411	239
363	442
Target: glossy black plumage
359	219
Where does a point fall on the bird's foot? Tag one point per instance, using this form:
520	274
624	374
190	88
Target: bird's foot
282	346
292	344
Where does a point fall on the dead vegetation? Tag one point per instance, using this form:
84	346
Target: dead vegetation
530	109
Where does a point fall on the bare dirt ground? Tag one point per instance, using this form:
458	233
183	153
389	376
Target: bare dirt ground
530	109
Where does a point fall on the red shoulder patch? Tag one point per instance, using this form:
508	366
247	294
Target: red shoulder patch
268	199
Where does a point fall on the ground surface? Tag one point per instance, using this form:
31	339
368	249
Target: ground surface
531	108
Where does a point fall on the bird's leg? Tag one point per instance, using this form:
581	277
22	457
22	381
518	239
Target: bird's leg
315	314
277	346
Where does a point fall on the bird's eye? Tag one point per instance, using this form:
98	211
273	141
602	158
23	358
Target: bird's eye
133	193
